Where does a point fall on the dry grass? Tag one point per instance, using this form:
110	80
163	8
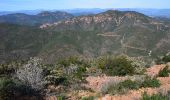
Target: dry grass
102	83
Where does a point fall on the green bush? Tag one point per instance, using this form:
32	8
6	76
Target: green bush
159	60
64	75
139	64
12	88
164	72
150	82
60	98
10	67
122	87
80	72
88	98
56	76
116	66
163	60
126	85
159	96
5	69
129	84
6	88
166	58
72	60
74	68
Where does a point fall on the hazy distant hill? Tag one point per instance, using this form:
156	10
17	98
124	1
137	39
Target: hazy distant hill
80	11
148	12
43	17
29	12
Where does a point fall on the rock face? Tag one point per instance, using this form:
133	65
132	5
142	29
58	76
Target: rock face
104	21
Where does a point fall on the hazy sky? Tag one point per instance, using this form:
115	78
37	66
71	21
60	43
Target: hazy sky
8	5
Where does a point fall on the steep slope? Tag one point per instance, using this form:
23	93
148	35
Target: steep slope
43	17
20	42
111	32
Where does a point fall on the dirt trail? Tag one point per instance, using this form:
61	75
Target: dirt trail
153	71
136	94
97	82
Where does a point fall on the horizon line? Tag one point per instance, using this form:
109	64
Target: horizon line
80	8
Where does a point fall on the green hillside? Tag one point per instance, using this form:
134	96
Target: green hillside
111	32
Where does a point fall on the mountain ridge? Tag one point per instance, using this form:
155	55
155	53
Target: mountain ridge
110	32
40	18
80	11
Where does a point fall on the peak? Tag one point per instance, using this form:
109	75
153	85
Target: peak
121	12
47	13
44	13
112	12
18	14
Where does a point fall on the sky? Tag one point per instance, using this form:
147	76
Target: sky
15	5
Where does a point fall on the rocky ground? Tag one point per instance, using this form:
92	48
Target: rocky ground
96	84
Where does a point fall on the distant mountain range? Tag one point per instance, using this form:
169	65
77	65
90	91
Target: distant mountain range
38	19
78	12
110	32
151	12
29	12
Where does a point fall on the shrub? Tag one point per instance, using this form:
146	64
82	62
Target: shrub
166	58
64	75
150	82
159	60
66	70
5	69
10	67
72	60
139	64
60	98
164	72
10	89
129	84
94	71
31	74
159	96
107	85
88	98
6	89
124	86
74	73
56	76
116	66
